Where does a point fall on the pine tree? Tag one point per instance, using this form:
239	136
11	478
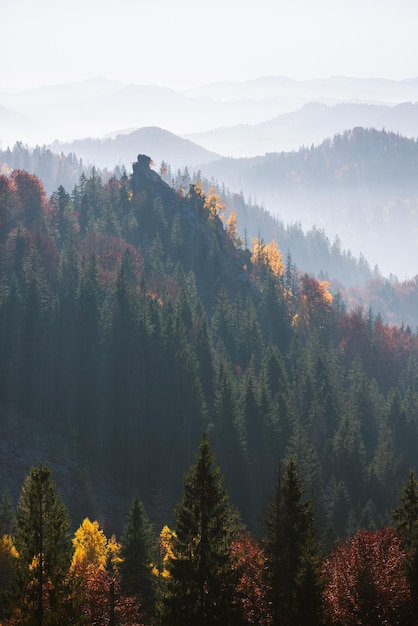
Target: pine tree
292	566
136	553
201	575
44	547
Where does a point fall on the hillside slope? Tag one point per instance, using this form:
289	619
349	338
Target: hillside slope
133	320
360	186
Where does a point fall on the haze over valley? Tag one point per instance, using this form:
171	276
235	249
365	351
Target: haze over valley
254	136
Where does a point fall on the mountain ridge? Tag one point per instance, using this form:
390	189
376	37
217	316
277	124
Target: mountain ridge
162	144
83	111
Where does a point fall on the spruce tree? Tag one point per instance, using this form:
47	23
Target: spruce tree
292	564
201	574
136	553
44	546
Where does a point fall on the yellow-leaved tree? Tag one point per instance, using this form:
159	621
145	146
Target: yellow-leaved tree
95	564
214	203
232	230
166	552
8	554
267	255
90	545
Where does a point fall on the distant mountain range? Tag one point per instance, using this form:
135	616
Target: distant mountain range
160	144
309	125
333	89
265	119
98	107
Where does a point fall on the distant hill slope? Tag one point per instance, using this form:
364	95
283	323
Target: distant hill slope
163	145
308	125
361	186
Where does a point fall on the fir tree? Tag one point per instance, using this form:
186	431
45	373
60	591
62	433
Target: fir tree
44	547
136	553
201	575
7	513
292	566
405	517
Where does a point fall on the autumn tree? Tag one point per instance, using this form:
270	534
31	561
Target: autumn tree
267	256
314	306
292	566
366	582
101	601
201	581
43	543
8	558
90	546
251	590
213	203
232	230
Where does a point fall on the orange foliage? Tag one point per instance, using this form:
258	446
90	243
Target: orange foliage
213	203
267	255
232	230
314	303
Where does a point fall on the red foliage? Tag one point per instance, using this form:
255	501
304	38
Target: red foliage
31	205
354	336
8	202
109	252
101	600
250	590
365	581
384	349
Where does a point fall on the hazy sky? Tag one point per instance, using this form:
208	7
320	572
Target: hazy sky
184	43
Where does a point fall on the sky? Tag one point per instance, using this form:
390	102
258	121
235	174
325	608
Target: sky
186	43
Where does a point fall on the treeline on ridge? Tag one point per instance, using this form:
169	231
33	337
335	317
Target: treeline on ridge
311	250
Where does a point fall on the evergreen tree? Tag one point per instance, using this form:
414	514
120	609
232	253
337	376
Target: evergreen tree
292	566
201	575
7	513
44	547
405	517
136	554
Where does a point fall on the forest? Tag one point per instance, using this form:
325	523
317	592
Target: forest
207	570
360	284
137	322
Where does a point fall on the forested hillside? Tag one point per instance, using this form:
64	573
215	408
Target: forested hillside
360	185
133	319
311	249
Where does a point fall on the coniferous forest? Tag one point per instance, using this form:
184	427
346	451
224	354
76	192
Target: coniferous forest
138	324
